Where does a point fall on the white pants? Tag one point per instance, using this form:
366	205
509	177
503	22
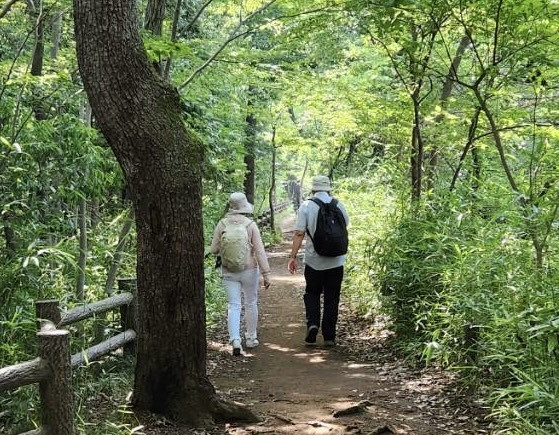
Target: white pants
237	285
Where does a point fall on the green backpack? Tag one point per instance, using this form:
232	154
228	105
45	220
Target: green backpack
235	245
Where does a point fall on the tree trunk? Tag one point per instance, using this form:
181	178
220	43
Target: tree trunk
141	118
302	180
56	33
117	256
250	146
39	49
37	60
85	115
272	192
469	145
82	259
174	31
476	164
155	14
416	161
9	235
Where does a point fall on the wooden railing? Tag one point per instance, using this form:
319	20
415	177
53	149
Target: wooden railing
52	369
264	219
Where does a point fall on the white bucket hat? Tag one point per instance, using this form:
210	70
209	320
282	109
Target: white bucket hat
238	203
321	183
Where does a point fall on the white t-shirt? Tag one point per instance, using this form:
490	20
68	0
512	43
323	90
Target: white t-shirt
306	219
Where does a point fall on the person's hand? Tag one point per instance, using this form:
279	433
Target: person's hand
267	282
292	265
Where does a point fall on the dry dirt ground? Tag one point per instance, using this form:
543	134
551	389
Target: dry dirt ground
297	389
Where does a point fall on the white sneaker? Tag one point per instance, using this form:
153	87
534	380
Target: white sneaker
237	349
252	343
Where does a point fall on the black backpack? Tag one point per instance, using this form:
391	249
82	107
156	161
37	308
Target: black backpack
330	238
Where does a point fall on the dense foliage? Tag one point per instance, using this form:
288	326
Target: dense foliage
436	119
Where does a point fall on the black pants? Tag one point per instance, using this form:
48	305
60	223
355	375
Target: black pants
328	281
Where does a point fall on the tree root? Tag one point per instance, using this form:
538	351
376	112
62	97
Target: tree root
225	411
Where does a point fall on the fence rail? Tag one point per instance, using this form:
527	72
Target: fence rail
52	369
264	219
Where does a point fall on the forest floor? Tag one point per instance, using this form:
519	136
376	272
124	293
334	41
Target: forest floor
298	389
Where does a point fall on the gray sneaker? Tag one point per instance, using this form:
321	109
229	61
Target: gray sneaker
329	343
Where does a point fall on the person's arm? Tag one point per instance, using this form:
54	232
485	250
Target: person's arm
260	254
297	242
300	226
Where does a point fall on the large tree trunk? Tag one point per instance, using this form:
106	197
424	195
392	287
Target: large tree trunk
141	118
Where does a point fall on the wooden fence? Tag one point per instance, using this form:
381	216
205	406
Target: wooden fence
264	219
52	369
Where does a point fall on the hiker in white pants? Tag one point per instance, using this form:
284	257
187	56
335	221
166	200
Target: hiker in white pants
240	279
243	284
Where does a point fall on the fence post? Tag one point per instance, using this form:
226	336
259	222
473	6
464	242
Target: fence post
57	401
47	310
128	313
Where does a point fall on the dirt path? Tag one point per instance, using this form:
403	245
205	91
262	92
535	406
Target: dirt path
296	389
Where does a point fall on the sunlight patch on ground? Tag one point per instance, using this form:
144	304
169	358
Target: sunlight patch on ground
221	347
312	356
359	366
279	348
360	376
316	359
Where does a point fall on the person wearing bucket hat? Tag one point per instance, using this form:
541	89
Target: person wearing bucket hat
237	238
324	219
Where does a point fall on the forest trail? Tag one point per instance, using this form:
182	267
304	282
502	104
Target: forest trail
296	389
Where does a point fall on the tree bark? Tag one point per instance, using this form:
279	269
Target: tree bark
82	258
9	235
416	160
469	145
119	249
272	191
155	14
250	145
141	118
37	59
174	31
39	50
56	33
7	7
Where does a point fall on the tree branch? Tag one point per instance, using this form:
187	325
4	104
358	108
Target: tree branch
496	33
233	37
7	8
471	140
196	16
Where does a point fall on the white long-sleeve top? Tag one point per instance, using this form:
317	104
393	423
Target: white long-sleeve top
258	254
